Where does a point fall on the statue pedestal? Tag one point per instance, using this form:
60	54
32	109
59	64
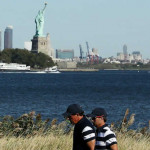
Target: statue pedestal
39	44
42	44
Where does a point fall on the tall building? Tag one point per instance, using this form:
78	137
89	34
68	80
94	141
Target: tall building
64	54
28	45
125	49
125	52
0	40
8	37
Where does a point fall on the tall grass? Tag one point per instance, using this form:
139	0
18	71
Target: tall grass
127	142
64	142
29	132
48	142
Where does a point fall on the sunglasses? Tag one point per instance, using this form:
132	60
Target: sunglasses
93	118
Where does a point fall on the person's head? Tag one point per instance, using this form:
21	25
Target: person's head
98	116
74	113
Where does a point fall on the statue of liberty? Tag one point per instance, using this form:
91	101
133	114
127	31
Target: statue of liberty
39	20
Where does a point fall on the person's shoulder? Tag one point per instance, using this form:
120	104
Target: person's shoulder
88	131
84	122
108	130
87	122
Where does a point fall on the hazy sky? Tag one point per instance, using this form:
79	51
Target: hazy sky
106	24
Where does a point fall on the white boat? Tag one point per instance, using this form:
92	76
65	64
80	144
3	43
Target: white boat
13	67
52	70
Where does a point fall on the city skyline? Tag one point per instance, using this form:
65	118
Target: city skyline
106	25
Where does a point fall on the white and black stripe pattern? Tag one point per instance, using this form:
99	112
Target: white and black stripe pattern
88	134
83	133
105	138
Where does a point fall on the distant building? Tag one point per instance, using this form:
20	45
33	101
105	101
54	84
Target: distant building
137	55
49	46
120	56
8	37
125	49
95	51
64	54
146	61
28	46
0	40
91	53
67	65
130	58
125	52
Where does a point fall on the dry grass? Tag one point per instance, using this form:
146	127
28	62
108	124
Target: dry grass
127	142
64	142
49	142
29	132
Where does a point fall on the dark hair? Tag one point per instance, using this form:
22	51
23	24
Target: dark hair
105	119
81	114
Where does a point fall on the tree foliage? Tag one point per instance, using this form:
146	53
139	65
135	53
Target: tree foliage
129	66
22	56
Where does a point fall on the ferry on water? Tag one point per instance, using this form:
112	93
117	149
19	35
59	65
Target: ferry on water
52	70
13	67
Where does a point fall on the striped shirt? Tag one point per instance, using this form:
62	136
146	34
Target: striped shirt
83	133
104	138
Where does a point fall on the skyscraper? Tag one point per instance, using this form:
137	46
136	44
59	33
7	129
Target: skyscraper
125	52
0	40
125	49
8	37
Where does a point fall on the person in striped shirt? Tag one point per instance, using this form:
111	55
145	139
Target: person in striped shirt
84	133
105	138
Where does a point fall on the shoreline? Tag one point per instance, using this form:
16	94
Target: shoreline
78	69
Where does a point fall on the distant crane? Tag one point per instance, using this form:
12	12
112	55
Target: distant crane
88	53
81	52
89	56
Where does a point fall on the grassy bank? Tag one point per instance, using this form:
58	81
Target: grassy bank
29	132
64	142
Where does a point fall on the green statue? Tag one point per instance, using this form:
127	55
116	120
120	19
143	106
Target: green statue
39	20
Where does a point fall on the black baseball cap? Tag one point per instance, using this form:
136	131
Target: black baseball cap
97	112
72	110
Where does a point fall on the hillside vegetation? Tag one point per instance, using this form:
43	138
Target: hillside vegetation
101	66
22	56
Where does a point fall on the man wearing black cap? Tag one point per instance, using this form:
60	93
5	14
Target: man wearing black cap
84	133
105	138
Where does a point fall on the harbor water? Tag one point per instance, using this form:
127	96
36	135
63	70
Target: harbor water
50	94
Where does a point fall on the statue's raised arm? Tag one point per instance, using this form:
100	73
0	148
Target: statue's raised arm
44	7
39	20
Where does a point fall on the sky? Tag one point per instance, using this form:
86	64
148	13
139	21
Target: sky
105	24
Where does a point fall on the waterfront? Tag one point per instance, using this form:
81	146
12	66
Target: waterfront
50	94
